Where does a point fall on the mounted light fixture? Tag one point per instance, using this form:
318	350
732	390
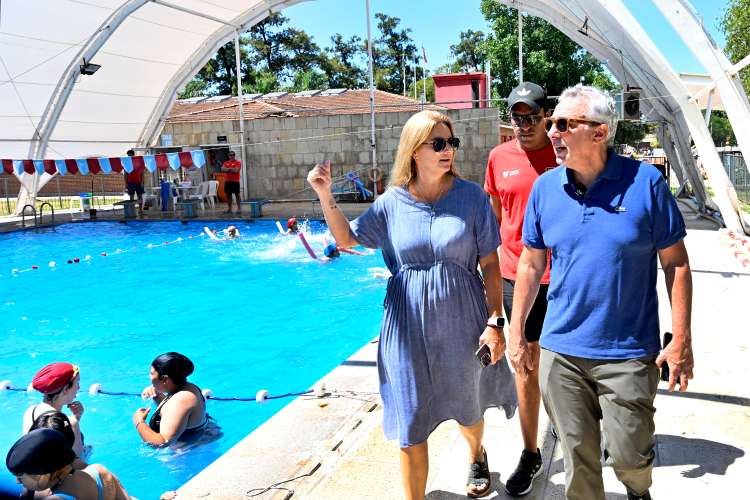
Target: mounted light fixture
89	68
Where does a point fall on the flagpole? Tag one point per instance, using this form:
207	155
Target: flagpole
373	159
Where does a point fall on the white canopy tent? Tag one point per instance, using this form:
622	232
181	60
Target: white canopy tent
148	49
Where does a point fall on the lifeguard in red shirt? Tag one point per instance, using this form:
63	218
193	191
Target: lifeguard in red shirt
232	181
134	181
512	169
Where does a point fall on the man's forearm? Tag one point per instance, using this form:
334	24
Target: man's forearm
680	287
528	275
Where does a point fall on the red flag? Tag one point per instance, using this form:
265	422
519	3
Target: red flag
424	55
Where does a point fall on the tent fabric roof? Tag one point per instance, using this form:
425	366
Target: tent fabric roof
348	102
146	50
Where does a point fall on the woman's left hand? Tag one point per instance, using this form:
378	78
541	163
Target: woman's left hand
495	340
140	415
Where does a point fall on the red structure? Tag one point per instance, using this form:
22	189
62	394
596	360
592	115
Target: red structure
469	87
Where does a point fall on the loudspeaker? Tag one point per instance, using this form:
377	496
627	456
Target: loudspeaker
631	105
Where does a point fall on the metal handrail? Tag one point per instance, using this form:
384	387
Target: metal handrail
41	212
23	214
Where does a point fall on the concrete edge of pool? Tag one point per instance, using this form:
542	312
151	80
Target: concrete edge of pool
298	440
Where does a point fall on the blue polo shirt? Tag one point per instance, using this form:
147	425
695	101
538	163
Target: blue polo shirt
604	242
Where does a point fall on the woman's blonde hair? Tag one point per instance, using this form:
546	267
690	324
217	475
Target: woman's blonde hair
416	130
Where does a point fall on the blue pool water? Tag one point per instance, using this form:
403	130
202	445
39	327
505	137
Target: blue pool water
252	314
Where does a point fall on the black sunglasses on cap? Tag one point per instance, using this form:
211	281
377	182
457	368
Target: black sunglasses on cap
564	124
439	144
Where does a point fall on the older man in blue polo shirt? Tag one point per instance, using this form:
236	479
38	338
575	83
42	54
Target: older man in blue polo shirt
605	219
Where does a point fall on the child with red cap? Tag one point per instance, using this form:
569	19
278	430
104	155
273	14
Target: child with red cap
59	383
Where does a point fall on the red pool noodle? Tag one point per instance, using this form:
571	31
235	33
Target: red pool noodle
307	245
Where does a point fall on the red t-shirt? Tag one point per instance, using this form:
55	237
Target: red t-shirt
511	172
136	176
232	176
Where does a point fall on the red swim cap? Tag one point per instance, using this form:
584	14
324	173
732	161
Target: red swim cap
291	222
54	377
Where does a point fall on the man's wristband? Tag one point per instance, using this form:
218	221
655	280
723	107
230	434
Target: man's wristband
139	423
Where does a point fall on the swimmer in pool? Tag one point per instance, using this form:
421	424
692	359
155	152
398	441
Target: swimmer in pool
181	408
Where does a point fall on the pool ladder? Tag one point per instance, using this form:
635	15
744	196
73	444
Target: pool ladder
37	220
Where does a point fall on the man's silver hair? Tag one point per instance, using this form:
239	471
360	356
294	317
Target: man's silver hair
601	106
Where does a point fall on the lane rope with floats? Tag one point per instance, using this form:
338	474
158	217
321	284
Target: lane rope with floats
318	390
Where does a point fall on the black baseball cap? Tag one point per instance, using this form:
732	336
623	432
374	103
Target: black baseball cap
39	452
530	94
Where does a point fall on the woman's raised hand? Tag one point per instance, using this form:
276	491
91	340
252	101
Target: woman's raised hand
320	177
150	393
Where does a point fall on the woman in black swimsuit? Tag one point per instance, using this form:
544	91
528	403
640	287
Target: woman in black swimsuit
181	411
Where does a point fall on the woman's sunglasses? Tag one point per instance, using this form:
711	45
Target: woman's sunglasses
439	143
564	124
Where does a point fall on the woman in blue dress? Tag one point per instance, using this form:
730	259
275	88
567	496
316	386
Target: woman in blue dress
433	229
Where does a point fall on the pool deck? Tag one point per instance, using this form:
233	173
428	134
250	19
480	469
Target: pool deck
333	447
275	211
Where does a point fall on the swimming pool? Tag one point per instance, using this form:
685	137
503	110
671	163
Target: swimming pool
255	313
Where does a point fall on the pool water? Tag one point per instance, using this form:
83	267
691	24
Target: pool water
255	313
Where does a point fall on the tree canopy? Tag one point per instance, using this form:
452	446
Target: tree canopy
550	57
736	27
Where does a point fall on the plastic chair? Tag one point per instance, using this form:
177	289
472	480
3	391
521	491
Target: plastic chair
200	195
211	194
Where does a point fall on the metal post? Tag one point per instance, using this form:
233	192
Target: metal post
373	159
709	108
520	45
403	72
489	84
7	201
59	195
415	80
424	86
243	152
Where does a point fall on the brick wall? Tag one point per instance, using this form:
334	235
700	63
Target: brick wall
282	150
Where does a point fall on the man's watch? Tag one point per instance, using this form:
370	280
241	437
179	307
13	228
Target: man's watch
497	322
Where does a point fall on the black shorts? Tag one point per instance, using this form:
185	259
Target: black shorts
231	187
534	322
134	188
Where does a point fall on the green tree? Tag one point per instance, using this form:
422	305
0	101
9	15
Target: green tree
341	63
468	53
392	50
736	27
551	59
721	129
430	96
631	132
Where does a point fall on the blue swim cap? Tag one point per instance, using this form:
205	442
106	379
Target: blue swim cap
331	250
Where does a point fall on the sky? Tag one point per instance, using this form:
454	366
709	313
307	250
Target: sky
436	24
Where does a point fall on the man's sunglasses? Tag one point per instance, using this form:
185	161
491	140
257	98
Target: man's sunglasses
564	124
438	144
525	121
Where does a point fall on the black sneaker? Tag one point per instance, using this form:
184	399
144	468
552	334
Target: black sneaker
521	481
633	496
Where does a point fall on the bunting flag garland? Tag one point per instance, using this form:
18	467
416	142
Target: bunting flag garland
85	166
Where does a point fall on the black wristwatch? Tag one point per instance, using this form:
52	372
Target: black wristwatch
498	322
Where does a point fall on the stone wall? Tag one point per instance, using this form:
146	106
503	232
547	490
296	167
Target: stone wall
281	151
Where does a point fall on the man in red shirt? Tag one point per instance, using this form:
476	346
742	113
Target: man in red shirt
134	181
512	169
232	181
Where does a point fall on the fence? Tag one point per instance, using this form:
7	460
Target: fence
736	169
